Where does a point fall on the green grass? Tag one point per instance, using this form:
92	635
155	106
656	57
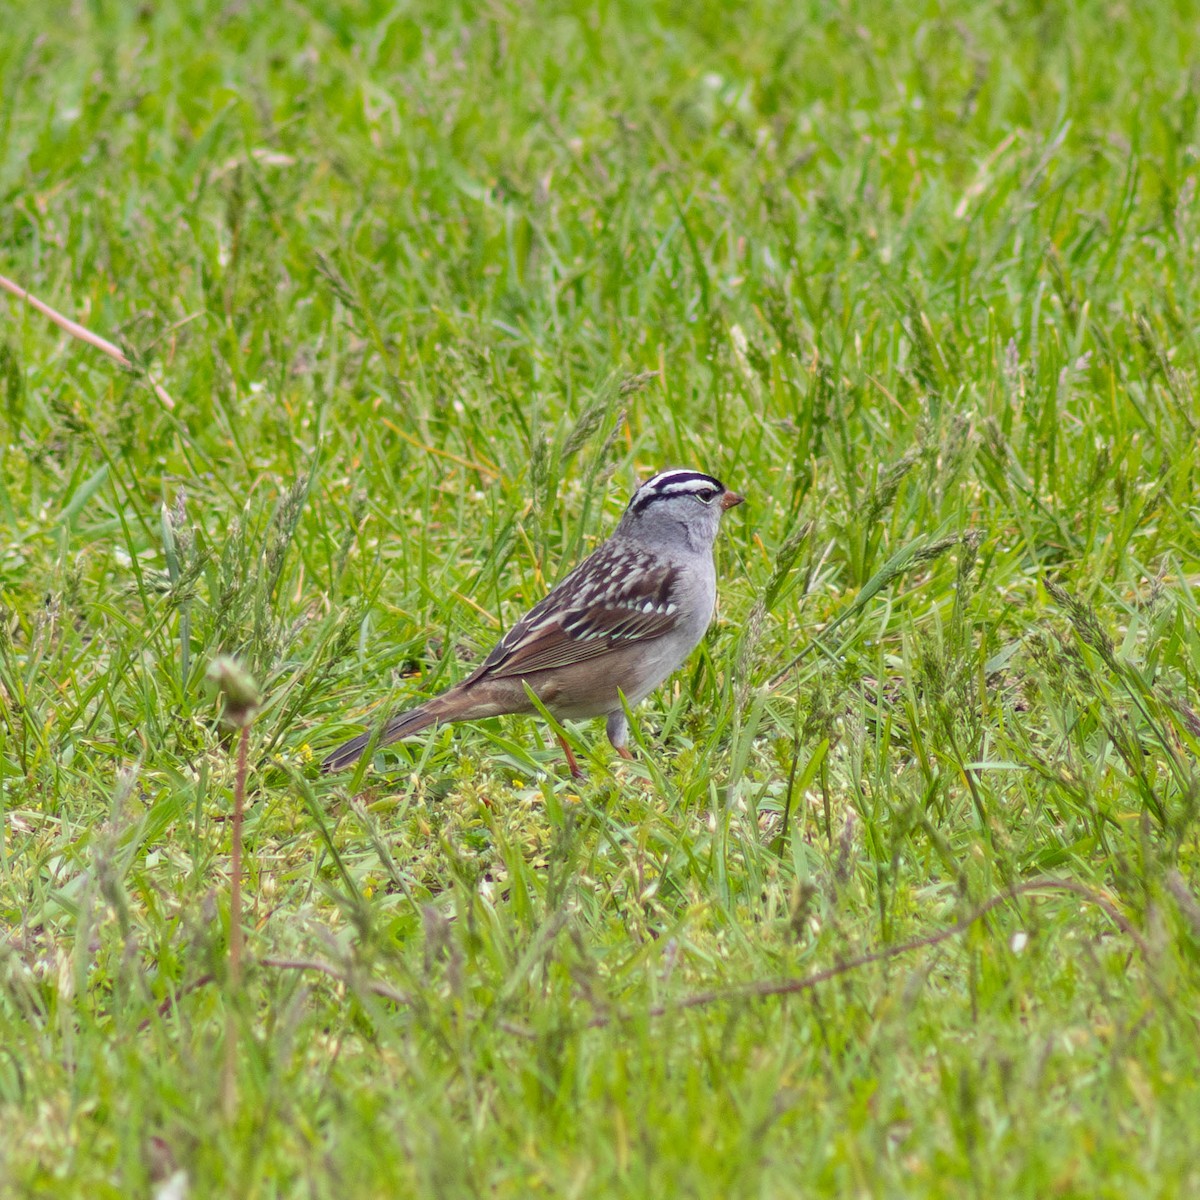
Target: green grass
921	281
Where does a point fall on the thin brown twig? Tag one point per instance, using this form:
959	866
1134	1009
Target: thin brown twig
757	989
786	987
235	921
782	987
235	862
82	334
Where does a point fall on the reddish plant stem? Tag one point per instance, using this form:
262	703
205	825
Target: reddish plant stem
235	862
229	1082
83	334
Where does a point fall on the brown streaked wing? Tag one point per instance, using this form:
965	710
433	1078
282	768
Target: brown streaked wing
545	638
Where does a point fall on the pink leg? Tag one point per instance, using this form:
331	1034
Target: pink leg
576	773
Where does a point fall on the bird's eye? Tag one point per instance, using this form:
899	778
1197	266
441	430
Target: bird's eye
706	497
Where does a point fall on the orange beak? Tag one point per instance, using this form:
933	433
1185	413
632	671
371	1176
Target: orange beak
731	500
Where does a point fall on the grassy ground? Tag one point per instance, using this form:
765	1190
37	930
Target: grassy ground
921	281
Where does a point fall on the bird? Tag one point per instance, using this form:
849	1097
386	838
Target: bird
607	635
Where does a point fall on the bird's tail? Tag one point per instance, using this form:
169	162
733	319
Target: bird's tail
397	727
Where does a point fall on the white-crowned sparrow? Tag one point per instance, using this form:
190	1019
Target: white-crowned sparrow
618	625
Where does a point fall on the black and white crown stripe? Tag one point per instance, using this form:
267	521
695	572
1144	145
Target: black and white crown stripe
676	483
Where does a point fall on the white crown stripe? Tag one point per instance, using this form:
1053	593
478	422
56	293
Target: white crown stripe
679	489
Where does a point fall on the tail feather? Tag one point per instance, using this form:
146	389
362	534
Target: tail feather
397	727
